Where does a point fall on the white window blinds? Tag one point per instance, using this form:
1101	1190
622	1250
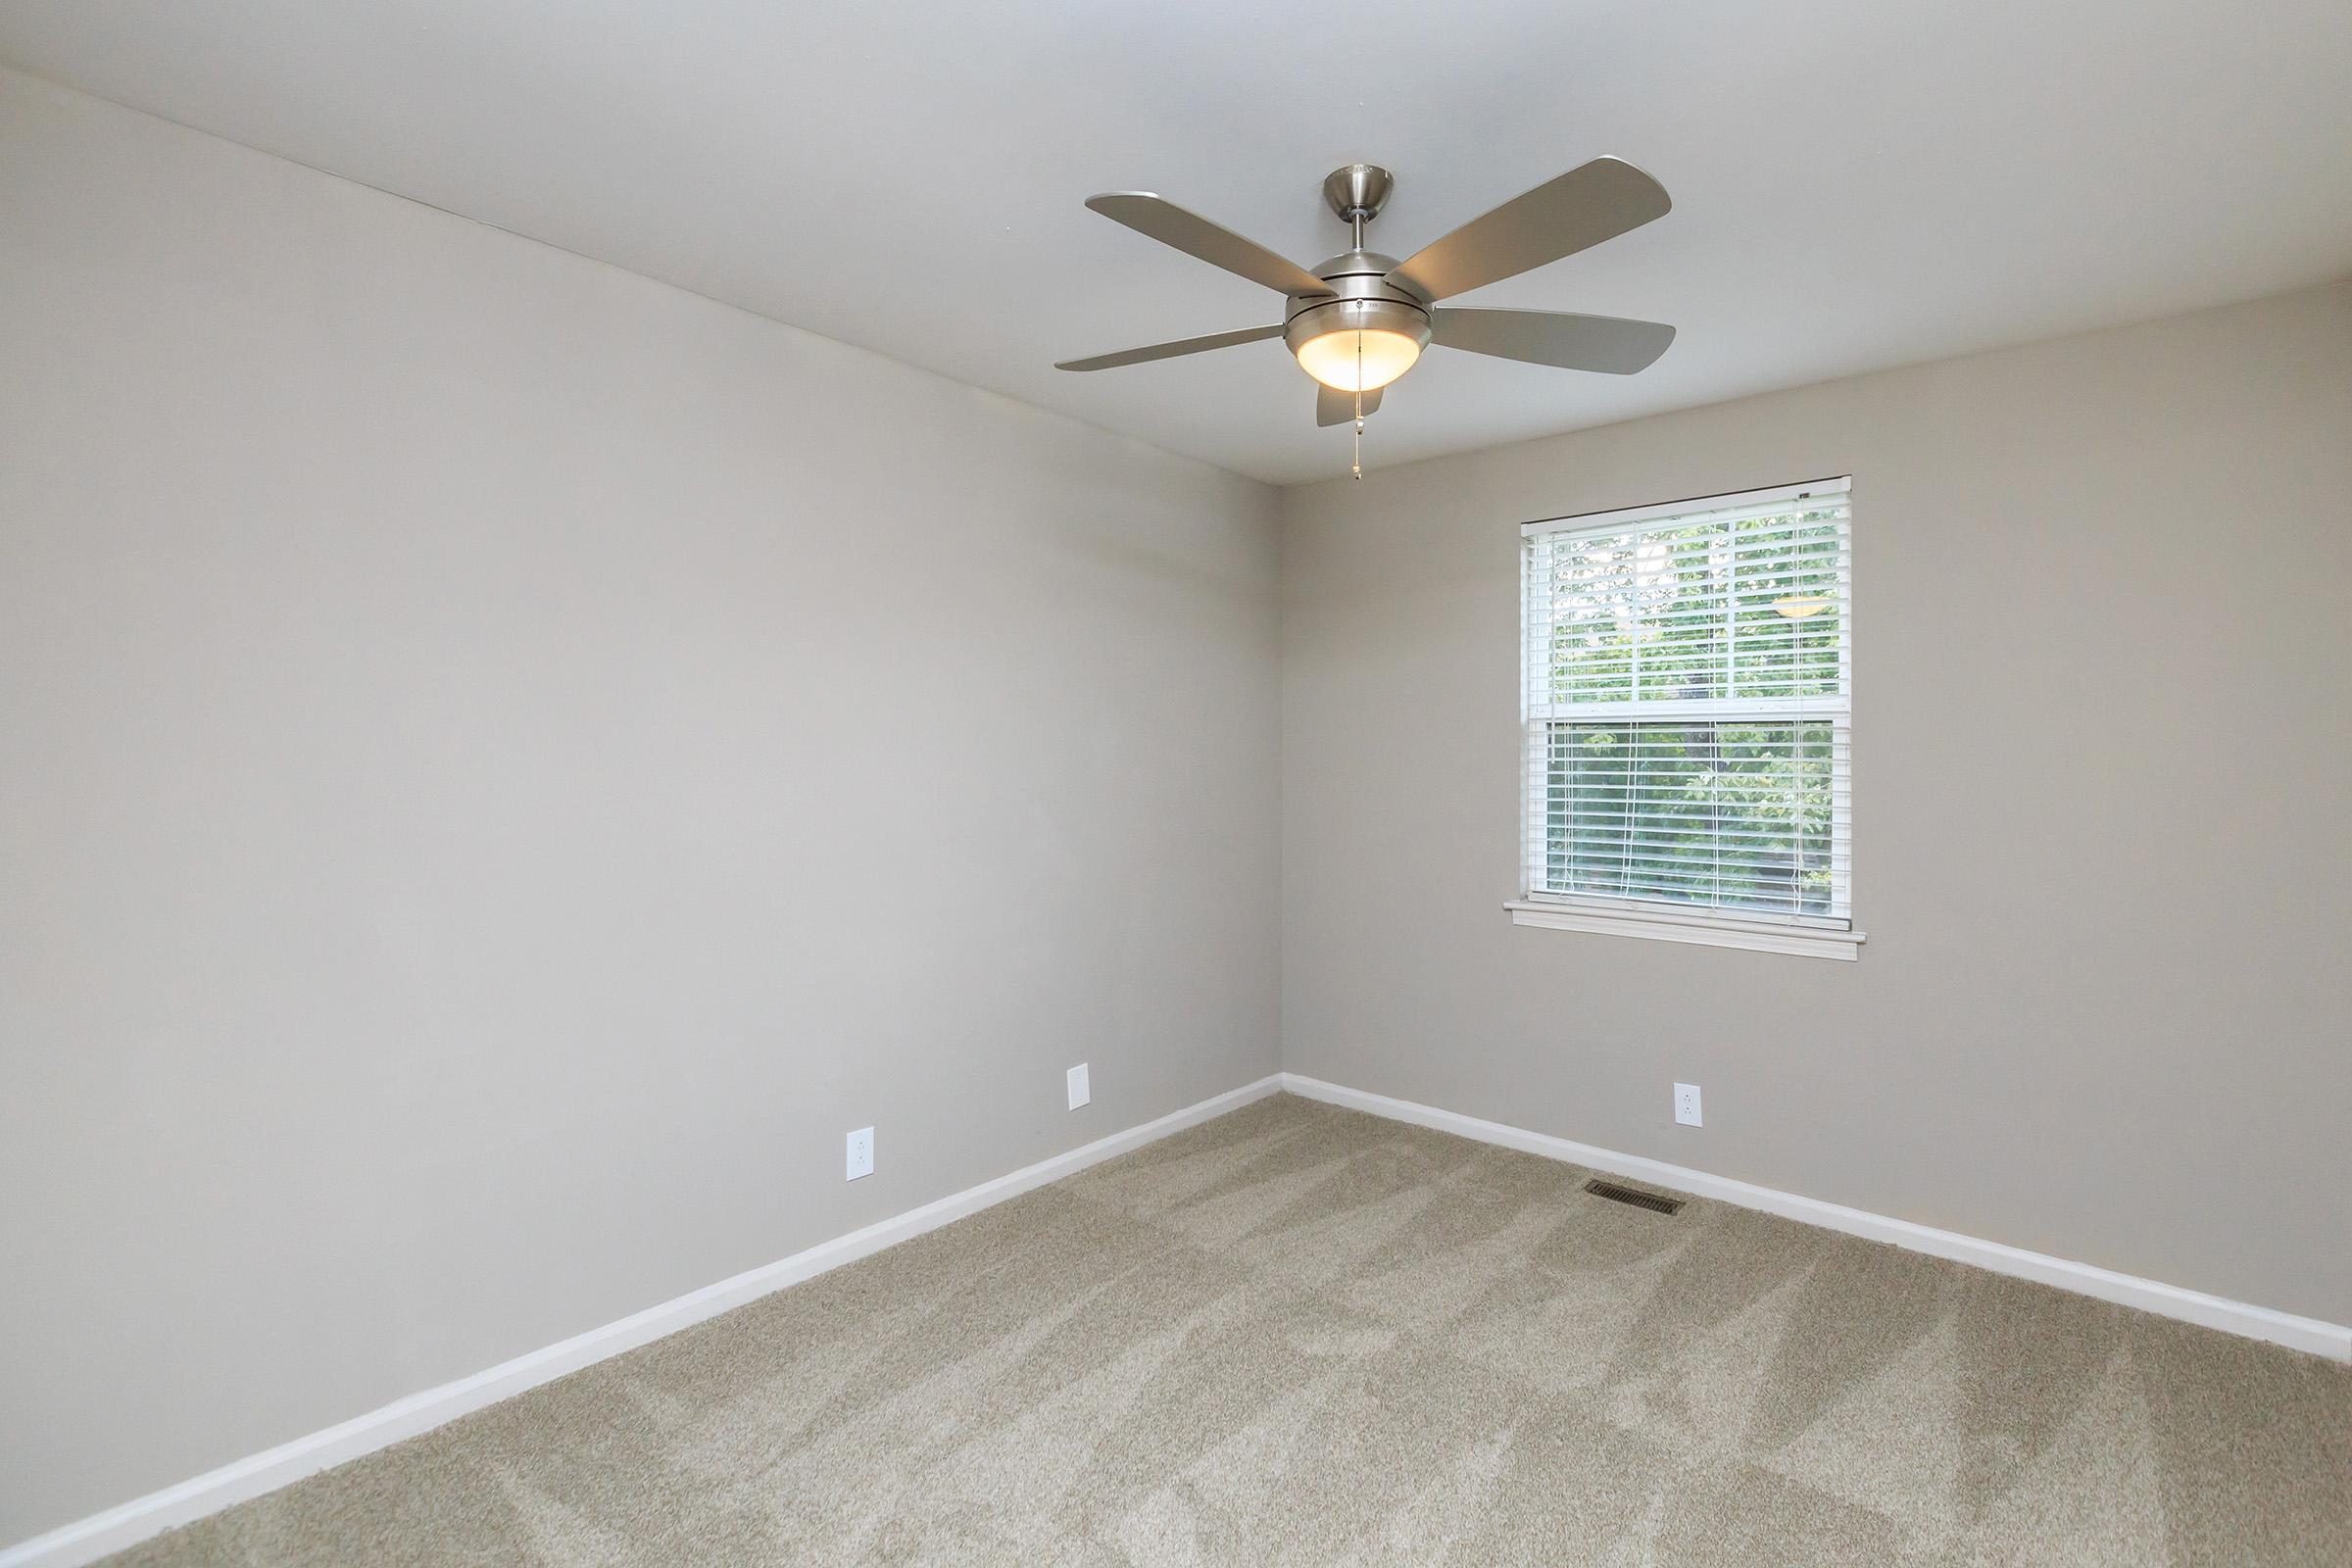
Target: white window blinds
1688	670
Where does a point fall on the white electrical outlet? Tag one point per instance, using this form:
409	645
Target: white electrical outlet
1686	1104
1079	1092
861	1152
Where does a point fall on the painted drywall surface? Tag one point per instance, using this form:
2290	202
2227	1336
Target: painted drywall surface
2100	837
503	763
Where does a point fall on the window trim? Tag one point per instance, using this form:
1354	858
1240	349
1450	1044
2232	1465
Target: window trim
1657	919
1661	922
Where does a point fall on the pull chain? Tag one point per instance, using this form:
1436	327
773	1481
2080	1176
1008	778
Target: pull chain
1357	463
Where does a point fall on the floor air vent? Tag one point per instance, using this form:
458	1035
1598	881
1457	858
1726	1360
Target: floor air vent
1634	1196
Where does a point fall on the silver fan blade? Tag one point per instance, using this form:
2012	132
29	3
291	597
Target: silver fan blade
1596	201
1335	406
1169	351
1194	235
1603	343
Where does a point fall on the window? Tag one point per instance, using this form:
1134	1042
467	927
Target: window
1687	679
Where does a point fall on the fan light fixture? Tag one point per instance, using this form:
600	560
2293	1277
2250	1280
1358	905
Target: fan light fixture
1357	362
1358	345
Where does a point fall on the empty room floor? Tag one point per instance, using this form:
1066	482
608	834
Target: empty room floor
1300	1334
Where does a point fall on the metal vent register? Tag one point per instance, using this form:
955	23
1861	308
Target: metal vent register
1632	1196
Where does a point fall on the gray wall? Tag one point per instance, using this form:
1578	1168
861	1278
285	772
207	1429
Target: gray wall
501	764
2103	829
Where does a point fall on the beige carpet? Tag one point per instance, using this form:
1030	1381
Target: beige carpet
1300	1335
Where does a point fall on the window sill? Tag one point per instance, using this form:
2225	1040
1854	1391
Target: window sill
1711	930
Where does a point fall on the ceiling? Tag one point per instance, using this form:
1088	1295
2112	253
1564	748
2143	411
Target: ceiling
1857	183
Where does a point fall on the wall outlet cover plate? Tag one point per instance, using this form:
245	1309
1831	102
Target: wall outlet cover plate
1686	1104
1080	1093
861	1152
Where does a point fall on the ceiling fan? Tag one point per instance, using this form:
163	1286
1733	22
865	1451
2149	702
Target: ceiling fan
1360	320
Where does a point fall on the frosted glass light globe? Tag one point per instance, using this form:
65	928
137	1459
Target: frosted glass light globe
1358	360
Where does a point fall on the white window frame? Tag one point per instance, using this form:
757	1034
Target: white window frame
1808	936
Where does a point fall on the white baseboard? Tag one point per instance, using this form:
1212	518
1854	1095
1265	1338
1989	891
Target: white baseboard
87	1540
2333	1339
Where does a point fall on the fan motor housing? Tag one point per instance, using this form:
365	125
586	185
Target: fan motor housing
1361	299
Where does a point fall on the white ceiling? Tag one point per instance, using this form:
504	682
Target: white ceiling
1857	183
